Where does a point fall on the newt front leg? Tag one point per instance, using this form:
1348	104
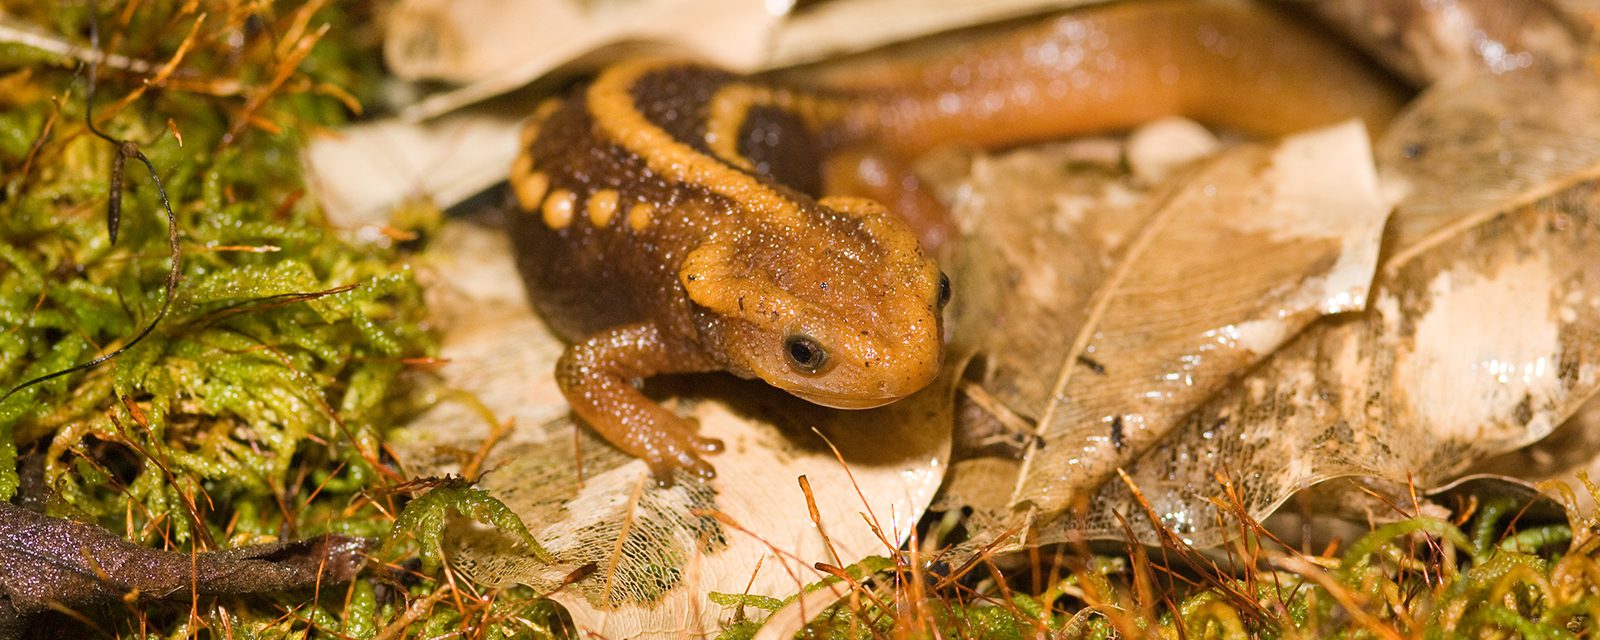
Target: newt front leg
599	375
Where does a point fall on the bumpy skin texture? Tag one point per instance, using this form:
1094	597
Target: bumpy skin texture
673	218
654	255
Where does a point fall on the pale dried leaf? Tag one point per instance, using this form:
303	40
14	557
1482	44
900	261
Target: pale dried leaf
1056	215
1042	227
1480	338
494	46
673	547
837	28
469	40
1572	448
1157	149
1066	208
362	172
1512	139
1256	245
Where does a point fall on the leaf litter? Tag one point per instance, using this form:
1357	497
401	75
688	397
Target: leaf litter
1245	253
1480	223
1481	336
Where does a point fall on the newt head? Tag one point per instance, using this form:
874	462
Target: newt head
841	308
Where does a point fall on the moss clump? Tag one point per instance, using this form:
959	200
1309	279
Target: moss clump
256	408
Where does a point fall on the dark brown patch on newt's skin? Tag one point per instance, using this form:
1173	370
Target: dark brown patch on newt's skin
676	99
780	147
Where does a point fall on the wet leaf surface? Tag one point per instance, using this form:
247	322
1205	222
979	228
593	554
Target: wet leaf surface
1573	448
1239	257
1481	335
1481	341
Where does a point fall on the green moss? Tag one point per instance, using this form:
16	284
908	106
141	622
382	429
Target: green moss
763	603
424	520
257	407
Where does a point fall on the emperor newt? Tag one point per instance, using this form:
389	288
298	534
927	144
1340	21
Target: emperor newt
680	218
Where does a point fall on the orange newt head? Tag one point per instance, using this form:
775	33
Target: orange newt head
839	306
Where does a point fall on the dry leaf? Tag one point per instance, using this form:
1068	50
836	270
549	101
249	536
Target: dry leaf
1472	148
361	173
650	555
837	28
494	46
1042	227
1247	252
1482	335
790	620
1572	448
1064	210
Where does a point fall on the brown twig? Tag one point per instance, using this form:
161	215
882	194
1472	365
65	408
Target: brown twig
125	149
497	432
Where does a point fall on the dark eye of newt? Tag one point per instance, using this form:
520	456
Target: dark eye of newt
944	290
805	355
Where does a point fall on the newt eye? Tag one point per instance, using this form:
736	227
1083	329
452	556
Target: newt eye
944	290
805	355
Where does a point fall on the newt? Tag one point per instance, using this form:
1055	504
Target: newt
679	218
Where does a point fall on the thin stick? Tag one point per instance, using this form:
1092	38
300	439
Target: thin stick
125	149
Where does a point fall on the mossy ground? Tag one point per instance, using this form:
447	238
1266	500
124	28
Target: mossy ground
257	408
1492	575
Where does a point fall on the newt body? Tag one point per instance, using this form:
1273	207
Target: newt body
675	218
655	256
